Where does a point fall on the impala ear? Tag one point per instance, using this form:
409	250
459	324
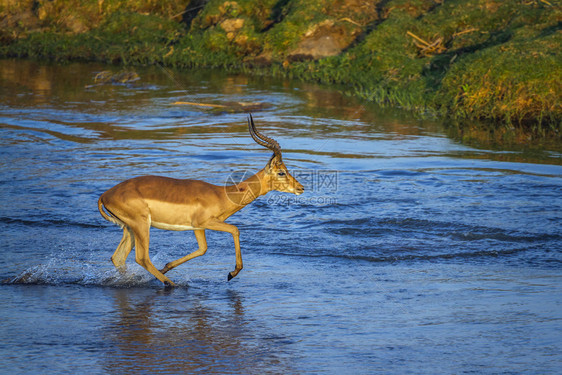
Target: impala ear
273	162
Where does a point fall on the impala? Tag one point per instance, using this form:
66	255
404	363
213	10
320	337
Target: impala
167	203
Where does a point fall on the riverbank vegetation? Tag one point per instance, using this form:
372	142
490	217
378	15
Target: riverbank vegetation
495	62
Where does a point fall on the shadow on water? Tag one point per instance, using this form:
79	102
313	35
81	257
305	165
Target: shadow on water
40	84
57	101
204	333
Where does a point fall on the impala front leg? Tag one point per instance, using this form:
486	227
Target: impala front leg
201	241
239	266
224	227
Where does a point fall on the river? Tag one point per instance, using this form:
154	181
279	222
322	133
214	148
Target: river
409	253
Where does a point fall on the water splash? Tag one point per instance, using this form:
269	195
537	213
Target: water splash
57	271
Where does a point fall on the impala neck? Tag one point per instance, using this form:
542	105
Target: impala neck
247	191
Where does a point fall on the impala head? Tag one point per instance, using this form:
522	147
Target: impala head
277	176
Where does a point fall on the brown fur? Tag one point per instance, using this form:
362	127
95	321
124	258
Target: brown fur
167	203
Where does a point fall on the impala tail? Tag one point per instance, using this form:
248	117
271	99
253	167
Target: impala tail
109	217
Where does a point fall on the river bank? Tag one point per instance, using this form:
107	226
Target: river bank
489	62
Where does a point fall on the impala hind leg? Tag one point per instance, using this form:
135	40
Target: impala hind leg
201	241
142	240
123	250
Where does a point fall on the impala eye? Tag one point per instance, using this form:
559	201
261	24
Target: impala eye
281	174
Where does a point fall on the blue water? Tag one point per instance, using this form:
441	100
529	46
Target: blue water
409	253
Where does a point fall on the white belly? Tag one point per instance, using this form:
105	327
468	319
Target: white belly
171	226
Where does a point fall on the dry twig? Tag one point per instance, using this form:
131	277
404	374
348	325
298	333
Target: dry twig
200	104
428	48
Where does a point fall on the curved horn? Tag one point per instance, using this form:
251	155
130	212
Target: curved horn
262	140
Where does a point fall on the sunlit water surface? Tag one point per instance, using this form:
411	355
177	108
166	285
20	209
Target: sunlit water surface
409	252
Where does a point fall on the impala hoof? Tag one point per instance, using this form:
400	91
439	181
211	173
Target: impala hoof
230	276
169	284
